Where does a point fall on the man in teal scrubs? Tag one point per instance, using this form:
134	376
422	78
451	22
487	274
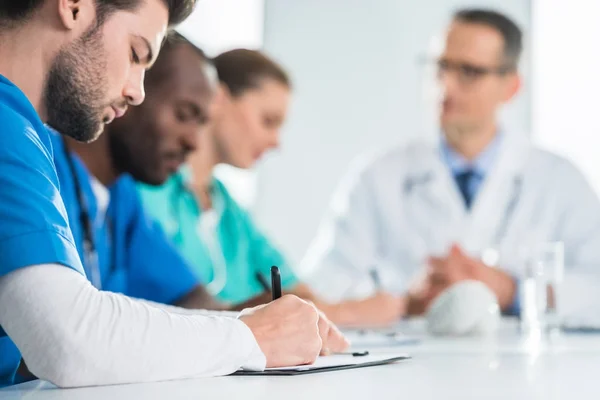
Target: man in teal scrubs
76	65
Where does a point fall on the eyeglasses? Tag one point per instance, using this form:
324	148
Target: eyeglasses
468	73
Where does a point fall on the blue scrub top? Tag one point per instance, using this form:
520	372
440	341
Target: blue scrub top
134	256
34	226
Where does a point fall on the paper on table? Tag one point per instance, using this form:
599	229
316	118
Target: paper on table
339	360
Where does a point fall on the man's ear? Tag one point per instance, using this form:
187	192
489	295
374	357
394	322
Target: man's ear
514	86
76	15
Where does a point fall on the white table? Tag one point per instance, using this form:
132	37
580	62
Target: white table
505	367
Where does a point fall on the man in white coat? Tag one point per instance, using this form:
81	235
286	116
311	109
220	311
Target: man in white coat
435	209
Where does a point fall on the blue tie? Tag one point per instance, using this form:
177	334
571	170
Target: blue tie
463	180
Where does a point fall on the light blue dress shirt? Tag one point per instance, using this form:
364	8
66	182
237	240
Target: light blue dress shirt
481	165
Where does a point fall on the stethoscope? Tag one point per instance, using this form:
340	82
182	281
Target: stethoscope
413	182
90	253
206	230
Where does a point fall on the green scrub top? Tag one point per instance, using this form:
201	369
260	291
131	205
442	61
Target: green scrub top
241	249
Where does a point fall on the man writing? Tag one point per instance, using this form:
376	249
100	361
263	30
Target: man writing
77	65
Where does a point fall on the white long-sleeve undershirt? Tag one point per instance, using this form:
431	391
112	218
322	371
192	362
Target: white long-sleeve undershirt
71	334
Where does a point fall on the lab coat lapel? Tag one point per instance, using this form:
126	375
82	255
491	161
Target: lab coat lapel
491	212
435	203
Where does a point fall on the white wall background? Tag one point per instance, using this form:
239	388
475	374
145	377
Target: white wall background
220	25
358	85
217	26
566	71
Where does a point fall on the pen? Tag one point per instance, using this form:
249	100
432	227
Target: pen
263	282
275	282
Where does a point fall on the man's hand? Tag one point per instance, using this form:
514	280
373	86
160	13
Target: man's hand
456	267
333	340
291	331
381	309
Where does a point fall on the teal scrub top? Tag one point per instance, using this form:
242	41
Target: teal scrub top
246	251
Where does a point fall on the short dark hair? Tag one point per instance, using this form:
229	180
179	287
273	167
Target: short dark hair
510	31
243	69
15	11
174	39
161	69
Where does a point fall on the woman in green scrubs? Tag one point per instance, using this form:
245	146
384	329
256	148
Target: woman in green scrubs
214	233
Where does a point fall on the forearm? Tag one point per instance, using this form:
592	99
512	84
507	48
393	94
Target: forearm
73	335
380	309
338	313
300	290
343	314
200	299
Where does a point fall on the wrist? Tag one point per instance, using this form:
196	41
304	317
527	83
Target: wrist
256	357
511	290
502	284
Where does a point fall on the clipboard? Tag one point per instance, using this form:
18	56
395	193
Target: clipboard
330	364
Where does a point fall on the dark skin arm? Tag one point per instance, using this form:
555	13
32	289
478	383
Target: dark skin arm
299	290
262	298
199	298
24	372
381	309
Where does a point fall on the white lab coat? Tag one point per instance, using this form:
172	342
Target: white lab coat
404	205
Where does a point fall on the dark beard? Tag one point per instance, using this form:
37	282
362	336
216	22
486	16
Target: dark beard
75	88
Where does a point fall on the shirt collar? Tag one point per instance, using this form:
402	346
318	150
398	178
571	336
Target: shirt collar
481	165
185	175
102	195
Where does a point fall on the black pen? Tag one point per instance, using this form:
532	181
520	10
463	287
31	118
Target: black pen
275	283
263	282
